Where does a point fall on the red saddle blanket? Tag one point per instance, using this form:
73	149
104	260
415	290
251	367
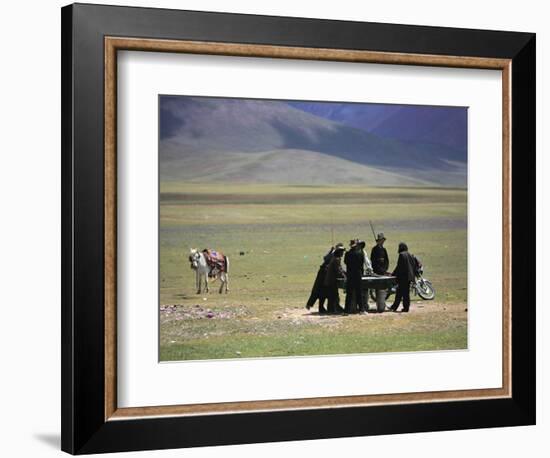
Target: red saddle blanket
215	260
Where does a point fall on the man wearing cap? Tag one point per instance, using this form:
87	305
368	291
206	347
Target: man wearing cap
367	270
354	261
367	266
379	256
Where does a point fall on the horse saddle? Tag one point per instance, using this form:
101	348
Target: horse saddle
215	260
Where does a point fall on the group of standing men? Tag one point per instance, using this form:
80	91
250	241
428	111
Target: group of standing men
358	263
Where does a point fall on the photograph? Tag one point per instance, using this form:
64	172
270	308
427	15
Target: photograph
306	228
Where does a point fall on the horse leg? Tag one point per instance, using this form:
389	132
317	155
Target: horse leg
197	281
226	274
222	282
206	281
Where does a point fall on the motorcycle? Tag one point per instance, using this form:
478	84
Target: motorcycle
421	287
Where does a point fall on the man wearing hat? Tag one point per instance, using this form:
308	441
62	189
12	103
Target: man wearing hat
354	261
318	292
404	271
379	256
334	272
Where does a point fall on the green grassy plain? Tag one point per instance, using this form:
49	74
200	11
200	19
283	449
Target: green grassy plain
284	230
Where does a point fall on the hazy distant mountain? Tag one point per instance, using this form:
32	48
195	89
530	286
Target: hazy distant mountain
274	141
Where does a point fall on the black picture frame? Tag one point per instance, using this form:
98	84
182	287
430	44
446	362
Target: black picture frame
84	428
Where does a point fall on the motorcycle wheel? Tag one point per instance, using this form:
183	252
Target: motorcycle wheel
425	289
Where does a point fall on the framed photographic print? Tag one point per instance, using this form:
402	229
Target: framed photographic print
281	228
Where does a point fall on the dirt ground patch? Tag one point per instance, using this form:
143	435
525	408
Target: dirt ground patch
297	315
178	312
417	307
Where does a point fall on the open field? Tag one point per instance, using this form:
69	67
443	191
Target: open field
284	232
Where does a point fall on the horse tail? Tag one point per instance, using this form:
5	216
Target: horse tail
226	259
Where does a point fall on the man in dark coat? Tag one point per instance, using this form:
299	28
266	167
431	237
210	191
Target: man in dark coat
354	261
318	291
334	272
379	256
404	271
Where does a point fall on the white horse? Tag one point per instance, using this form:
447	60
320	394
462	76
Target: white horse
202	271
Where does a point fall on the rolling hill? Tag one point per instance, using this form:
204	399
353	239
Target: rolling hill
272	141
